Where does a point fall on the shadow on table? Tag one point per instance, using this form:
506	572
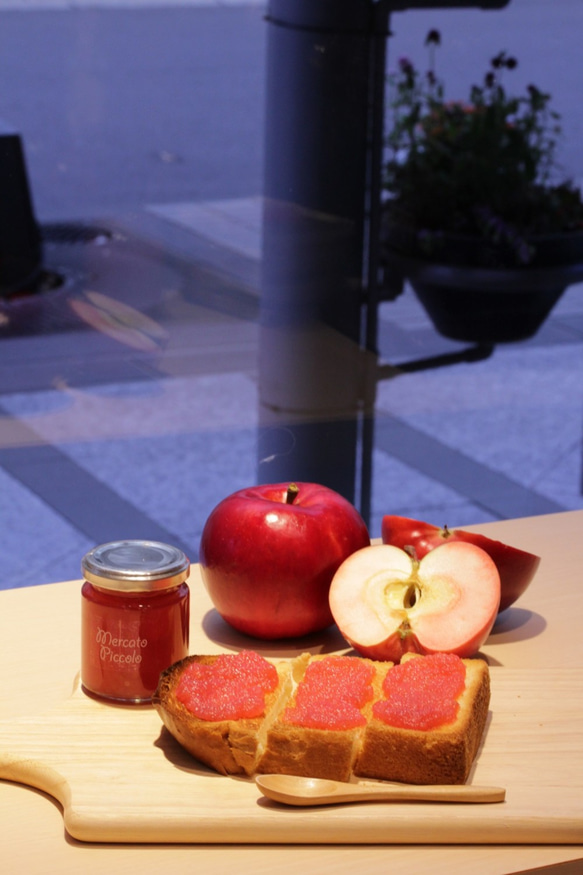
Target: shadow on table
517	624
218	630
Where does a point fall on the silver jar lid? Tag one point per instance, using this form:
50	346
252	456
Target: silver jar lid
135	566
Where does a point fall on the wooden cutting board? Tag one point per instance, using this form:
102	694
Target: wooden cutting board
120	777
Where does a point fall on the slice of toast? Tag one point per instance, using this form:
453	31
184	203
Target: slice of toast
230	746
441	755
312	751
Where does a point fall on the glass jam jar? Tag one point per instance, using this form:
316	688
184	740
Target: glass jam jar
135	617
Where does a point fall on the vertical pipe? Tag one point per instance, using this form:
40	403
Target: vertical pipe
315	201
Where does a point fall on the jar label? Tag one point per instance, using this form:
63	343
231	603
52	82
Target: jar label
123	651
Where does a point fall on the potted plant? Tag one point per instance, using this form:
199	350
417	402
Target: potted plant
476	216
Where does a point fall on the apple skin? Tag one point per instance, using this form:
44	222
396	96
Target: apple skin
268	564
386	603
515	567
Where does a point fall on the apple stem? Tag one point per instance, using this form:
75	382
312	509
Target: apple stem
412	552
292	492
446	532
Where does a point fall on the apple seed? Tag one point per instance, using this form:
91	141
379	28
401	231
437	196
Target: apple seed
412	595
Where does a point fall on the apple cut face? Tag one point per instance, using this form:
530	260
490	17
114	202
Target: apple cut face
386	603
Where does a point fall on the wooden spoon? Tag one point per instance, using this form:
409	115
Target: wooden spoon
294	790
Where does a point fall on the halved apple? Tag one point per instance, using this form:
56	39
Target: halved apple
386	602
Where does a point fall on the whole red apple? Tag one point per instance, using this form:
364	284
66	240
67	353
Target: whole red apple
387	603
268	555
515	567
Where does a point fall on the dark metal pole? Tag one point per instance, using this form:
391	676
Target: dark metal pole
317	172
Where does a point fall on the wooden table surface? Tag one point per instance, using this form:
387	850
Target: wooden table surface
39	651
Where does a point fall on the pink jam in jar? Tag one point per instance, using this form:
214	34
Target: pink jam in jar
135	617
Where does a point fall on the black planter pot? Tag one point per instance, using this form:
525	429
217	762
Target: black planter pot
483	304
486	316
